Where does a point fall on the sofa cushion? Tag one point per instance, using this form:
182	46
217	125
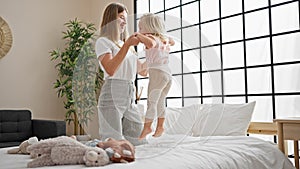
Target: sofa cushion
15	125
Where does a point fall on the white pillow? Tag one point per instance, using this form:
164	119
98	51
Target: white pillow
223	119
180	120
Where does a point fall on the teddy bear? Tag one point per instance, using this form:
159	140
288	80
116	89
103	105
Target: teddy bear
22	149
64	150
119	151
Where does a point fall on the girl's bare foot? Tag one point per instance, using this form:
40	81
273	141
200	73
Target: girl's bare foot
73	137
158	132
145	132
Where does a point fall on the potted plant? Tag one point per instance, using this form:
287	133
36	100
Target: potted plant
79	76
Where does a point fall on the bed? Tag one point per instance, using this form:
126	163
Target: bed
178	151
185	144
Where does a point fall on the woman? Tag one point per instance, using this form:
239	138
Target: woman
118	115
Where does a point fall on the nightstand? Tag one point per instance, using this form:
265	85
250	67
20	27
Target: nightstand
289	129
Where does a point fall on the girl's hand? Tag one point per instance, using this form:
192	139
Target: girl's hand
147	40
136	34
171	41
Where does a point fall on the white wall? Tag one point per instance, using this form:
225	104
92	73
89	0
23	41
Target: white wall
98	6
26	72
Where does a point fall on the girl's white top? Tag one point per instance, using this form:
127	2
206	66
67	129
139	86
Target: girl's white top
158	56
128	68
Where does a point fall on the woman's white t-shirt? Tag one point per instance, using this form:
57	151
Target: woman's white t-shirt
128	68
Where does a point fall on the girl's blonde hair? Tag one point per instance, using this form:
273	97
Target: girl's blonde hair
153	24
110	27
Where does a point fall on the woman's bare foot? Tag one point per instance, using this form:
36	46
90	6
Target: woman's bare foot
145	132
158	132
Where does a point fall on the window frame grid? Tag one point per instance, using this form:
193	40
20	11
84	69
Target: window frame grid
245	67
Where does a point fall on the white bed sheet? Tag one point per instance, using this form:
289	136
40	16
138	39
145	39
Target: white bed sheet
182	152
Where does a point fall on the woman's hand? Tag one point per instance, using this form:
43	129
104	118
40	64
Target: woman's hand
132	41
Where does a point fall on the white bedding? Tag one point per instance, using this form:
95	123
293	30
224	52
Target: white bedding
182	152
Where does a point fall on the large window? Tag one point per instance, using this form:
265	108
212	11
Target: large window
233	51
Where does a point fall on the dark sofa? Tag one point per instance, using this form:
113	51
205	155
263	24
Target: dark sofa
17	126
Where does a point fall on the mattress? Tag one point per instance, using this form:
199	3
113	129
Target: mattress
182	152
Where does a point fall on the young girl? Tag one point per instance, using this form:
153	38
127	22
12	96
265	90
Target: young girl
152	35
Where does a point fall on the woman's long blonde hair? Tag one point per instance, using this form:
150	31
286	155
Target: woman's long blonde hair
110	27
153	24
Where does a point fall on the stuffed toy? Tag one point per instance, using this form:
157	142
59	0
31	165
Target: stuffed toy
22	149
119	151
65	150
